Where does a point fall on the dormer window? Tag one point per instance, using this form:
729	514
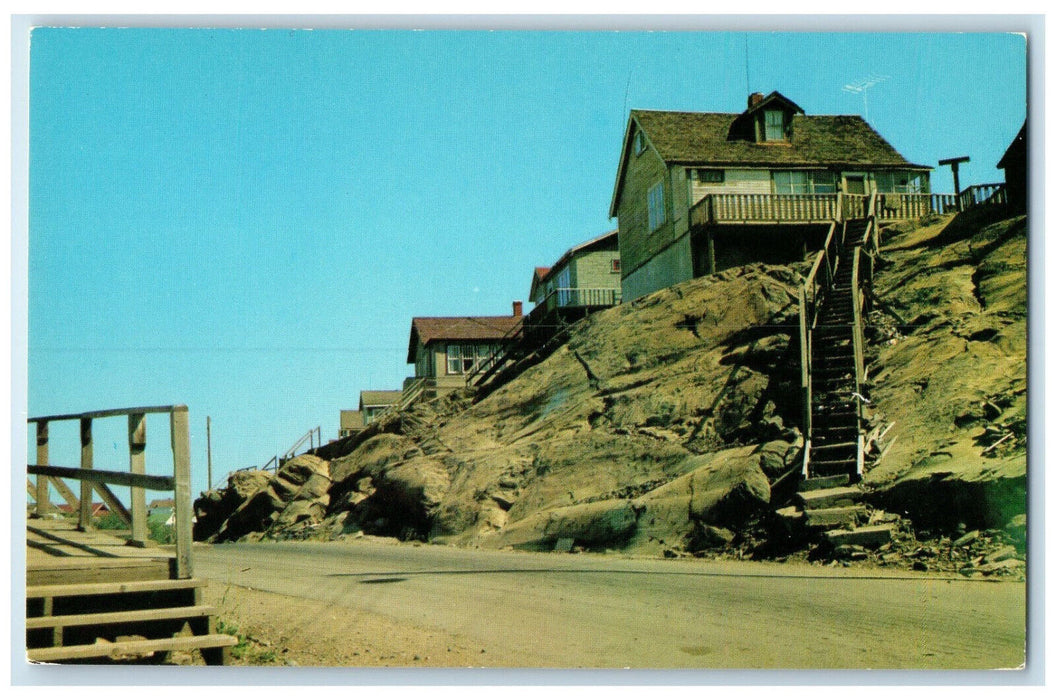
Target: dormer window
774	125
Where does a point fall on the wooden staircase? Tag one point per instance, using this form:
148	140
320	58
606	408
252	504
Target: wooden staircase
835	417
121	621
828	502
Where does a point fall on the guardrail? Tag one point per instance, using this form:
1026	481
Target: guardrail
819	208
99	481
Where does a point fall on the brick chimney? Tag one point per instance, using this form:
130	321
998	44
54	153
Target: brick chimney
518	309
754	99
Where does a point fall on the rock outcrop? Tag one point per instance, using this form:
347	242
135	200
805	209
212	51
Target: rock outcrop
670	424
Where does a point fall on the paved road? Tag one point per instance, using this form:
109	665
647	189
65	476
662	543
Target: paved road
563	610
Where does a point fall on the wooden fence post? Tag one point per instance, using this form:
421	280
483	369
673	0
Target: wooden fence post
137	444
84	523
181	462
43	508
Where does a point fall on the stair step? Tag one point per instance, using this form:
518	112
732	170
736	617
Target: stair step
101	650
832	447
106	618
829	498
832	517
868	536
823	482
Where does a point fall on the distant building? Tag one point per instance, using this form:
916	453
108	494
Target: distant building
374	403
351	423
445	350
586	278
1015	165
700	191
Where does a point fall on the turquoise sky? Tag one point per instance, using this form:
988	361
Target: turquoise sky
245	221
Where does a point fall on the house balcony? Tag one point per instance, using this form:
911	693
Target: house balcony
769	209
565	305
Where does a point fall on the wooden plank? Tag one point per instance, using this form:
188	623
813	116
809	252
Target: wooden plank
150	482
112	502
181	462
137	445
131	648
106	413
43	496
74	570
66	492
106	618
111	587
85	519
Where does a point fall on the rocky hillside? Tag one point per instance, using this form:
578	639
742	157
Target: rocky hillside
670	425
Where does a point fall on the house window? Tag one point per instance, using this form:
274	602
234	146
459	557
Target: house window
710	176
463	358
804	182
615	265
774	121
639	143
791	182
657	216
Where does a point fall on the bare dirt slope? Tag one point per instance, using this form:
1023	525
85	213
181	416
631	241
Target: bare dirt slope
661	426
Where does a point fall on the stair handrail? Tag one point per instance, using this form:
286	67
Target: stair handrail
808	318
498	356
409	395
310	435
858	343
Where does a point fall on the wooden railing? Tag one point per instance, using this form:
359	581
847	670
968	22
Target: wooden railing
976	195
99	481
819	208
575	297
505	349
818	281
764	208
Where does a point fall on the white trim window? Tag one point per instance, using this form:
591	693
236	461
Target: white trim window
657	215
462	358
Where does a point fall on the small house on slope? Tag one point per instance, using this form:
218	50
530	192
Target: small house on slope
446	350
586	278
699	191
351	423
373	403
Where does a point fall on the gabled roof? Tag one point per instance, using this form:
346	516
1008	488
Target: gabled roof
711	139
606	241
775	99
428	329
352	420
378	398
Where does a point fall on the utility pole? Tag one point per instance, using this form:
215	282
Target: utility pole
209	449
954	164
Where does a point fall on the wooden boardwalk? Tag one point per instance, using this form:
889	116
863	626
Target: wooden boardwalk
108	596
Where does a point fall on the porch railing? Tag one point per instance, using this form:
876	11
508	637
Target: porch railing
576	297
822	208
136	479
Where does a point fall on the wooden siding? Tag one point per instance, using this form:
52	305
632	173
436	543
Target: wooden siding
672	265
736	182
637	243
594	270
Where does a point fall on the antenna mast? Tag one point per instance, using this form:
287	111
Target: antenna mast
861	87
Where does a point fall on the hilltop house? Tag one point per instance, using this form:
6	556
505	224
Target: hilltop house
445	350
700	191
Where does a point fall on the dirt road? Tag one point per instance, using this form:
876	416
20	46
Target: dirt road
441	606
